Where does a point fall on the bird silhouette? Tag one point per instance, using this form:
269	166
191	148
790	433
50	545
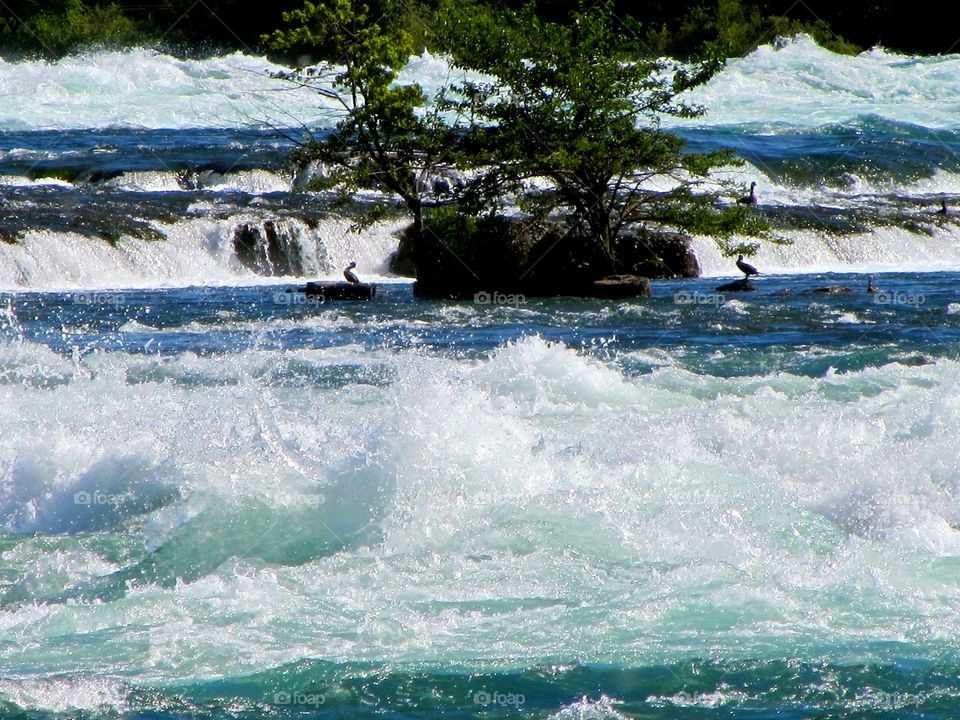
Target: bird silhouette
746	268
350	275
750	199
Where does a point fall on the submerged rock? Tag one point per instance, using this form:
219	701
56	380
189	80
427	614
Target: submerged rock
324	290
658	254
742	285
268	249
402	261
830	290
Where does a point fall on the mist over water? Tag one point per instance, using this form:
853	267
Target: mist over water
219	501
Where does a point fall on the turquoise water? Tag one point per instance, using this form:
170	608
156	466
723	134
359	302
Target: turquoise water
218	499
218	503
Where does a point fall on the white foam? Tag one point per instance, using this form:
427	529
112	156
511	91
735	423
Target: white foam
147	89
21	181
197	251
531	491
149	181
586	709
794	84
849	318
255	182
800	84
884	249
66	695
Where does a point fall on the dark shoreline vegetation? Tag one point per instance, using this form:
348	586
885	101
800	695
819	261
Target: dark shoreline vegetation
53	28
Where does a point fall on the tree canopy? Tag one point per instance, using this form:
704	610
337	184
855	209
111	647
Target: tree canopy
570	120
560	120
387	137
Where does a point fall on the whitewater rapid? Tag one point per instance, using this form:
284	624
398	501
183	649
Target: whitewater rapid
215	501
795	83
196	251
790	84
628	506
862	148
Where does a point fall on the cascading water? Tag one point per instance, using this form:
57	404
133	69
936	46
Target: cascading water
198	251
215	502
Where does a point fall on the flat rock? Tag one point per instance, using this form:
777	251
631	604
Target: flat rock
619	286
743	285
331	290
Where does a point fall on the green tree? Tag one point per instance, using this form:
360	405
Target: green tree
731	28
388	135
60	26
572	126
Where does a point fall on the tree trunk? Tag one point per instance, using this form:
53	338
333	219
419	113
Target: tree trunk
416	210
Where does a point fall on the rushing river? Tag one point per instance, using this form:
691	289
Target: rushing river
220	500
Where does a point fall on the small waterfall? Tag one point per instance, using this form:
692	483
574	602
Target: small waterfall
277	247
339	245
197	251
885	249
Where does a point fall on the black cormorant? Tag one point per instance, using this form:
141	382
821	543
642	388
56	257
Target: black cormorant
349	274
746	268
750	199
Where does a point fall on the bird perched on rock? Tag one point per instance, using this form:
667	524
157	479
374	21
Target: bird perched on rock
350	275
750	199
746	268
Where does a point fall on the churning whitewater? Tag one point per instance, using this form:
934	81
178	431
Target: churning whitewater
220	499
148	146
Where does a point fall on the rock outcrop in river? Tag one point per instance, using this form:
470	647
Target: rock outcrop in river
549	259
